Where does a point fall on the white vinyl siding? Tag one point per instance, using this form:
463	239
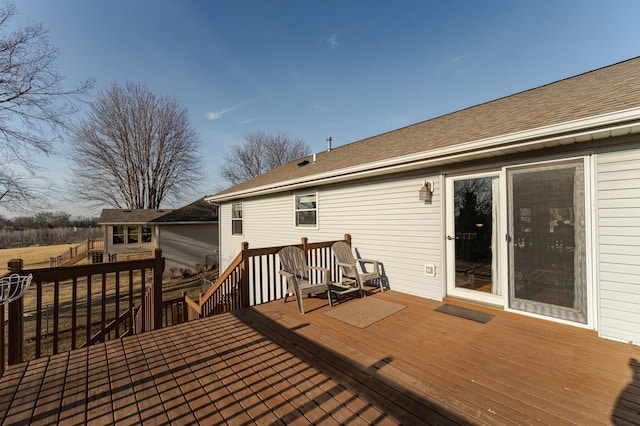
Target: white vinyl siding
385	218
618	245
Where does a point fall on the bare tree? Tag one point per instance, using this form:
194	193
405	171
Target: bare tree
134	150
34	107
261	152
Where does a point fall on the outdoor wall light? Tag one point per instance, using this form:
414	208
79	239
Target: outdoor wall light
426	192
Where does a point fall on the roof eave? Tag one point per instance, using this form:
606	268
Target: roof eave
612	124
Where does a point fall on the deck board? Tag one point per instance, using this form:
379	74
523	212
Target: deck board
270	365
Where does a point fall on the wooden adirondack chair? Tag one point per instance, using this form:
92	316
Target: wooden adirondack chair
348	264
294	268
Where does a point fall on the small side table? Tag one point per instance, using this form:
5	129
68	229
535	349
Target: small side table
341	288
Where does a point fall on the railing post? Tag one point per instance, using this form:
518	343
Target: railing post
16	320
158	270
185	307
305	241
347	239
244	275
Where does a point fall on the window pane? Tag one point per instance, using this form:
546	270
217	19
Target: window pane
306	218
236	227
133	234
305	202
146	234
118	235
236	210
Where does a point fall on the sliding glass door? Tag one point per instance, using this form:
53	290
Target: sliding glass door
546	233
472	236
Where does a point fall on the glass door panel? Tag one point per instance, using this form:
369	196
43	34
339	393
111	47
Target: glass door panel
547	236
472	237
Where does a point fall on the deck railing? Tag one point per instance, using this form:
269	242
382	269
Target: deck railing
252	278
85	304
128	298
73	254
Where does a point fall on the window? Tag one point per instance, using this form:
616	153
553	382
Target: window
146	234
236	219
307	209
133	234
118	235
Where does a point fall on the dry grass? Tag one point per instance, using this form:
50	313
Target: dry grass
33	257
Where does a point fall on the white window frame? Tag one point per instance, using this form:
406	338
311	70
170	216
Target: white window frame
239	219
297	210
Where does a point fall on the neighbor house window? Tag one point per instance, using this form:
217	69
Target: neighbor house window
146	234
307	209
118	235
236	218
133	234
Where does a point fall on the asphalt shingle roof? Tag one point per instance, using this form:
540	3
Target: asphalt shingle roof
198	211
612	88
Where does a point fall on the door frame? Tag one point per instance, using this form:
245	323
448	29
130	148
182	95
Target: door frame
497	252
502	251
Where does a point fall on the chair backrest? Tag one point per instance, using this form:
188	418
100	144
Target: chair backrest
343	254
293	260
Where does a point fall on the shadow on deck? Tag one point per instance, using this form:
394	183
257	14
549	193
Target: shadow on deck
270	365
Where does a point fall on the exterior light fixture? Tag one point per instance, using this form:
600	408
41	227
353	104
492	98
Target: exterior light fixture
426	192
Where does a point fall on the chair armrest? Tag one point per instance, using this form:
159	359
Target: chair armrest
286	274
325	273
375	263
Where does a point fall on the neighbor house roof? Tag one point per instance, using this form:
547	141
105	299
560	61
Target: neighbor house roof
606	100
130	216
198	211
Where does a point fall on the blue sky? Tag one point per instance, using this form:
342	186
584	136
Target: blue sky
312	69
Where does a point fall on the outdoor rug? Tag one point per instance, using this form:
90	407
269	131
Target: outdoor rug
364	312
461	312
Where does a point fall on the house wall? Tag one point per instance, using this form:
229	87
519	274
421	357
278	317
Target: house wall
618	242
187	246
389	223
398	229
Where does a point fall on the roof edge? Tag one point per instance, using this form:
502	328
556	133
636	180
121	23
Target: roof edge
540	135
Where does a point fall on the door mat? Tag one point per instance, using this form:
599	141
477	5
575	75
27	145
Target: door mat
461	312
364	312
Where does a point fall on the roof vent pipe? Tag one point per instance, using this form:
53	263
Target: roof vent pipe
329	144
314	159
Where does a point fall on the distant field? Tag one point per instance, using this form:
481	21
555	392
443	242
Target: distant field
33	257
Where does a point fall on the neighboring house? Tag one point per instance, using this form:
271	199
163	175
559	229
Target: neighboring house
188	236
530	203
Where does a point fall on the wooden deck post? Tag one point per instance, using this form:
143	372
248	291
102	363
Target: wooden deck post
244	275
347	239
16	320
158	270
305	242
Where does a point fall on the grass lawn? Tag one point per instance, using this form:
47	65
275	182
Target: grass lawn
33	257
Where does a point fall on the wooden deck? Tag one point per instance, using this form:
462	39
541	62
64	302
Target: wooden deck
270	365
